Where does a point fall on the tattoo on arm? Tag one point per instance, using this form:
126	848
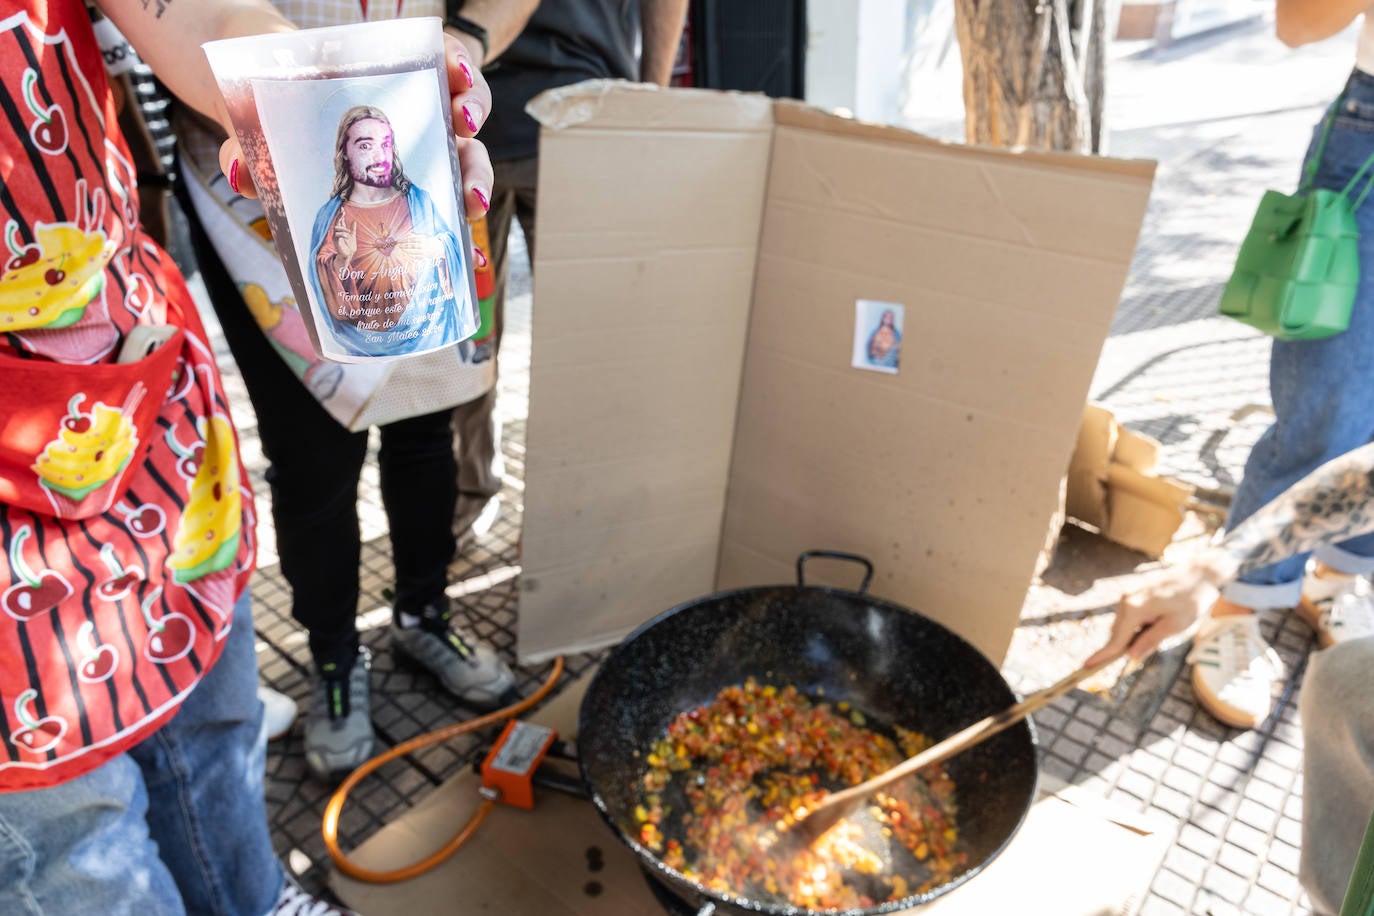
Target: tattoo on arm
1333	503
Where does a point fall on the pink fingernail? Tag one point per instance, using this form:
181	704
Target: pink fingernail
481	258
481	199
471	122
234	175
467	74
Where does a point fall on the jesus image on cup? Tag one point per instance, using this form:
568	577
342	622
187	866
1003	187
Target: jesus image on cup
386	264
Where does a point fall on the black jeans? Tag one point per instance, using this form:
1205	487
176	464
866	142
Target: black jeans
315	464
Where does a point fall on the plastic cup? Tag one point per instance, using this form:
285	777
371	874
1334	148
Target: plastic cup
346	132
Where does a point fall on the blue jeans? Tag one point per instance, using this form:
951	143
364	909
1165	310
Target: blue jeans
175	825
1322	390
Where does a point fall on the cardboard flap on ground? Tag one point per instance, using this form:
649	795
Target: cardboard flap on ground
1113	485
1076	855
695	422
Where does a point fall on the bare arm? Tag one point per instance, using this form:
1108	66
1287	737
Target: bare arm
661	22
1300	22
503	20
168	36
1329	505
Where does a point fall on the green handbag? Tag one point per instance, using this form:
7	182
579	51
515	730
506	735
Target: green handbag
1297	269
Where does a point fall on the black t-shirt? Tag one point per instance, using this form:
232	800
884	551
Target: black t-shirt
565	41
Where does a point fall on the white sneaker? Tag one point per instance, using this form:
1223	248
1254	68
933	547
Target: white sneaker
1234	670
278	713
1337	606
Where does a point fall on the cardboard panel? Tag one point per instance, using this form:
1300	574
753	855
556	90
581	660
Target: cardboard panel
944	474
649	215
695	287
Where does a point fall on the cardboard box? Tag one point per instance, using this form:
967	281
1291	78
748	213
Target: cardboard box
1114	485
696	420
1076	855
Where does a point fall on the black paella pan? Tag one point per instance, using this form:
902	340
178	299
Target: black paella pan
893	664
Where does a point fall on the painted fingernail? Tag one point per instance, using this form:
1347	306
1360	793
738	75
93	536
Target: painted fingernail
481	199
234	175
467	74
481	258
469	120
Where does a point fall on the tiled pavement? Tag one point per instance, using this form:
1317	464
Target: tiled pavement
1232	798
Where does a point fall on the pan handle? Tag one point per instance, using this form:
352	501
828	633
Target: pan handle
834	555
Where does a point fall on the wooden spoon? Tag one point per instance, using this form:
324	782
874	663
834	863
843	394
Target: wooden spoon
809	824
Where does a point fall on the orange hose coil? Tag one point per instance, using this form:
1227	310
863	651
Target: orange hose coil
330	826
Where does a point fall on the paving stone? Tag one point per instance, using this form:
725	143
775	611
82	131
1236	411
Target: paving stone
1232	754
1226	776
1149	764
1192	760
1184	781
1174	887
1281	882
1290	831
1186	863
1138	784
1261	902
1247	837
1112	746
1209	819
1195	740
1226	884
1238	860
1082	732
1285	755
1158	906
1258	816
1267	794
1050	719
1059	767
1172	801
1284	856
1197	840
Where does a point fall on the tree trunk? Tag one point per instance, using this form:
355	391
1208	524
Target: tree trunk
1034	72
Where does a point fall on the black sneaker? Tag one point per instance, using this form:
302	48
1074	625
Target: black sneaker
468	669
295	902
338	726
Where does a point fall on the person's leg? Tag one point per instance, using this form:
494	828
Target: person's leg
1322	409
1338	767
84	847
1320	388
204	776
315	464
419	490
476	427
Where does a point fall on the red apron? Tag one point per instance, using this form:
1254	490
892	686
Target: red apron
125	515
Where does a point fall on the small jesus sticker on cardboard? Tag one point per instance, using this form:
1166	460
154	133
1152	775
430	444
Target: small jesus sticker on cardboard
878	335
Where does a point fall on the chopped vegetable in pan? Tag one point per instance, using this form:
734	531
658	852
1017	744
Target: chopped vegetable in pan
746	761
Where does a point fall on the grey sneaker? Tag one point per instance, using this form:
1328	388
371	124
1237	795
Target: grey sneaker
295	902
338	727
469	670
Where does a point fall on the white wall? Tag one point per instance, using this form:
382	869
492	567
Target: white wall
854	56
